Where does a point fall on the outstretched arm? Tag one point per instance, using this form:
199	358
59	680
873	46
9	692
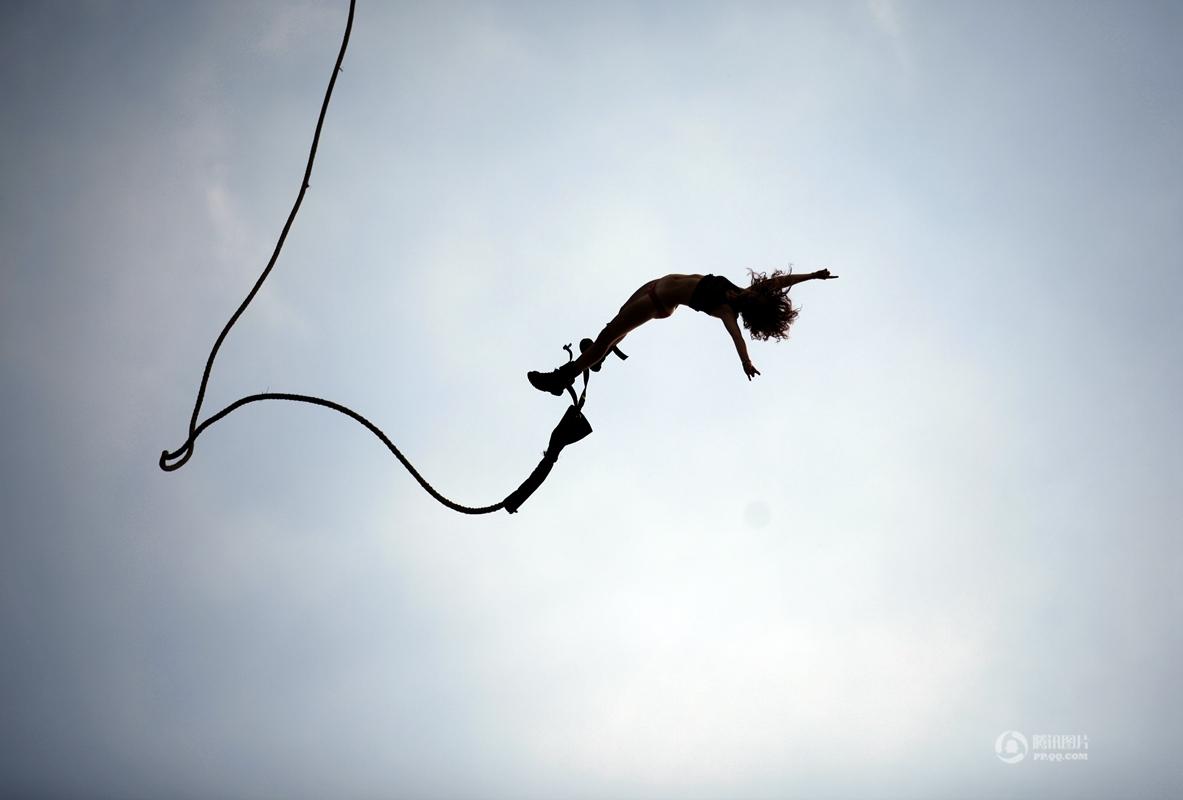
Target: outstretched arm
741	347
785	281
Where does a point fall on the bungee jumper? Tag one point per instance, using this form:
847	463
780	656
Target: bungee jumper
764	307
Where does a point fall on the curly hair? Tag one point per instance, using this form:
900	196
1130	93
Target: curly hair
767	311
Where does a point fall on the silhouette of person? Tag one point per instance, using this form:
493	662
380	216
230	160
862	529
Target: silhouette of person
764	307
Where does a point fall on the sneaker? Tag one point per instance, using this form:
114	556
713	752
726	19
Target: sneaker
555	381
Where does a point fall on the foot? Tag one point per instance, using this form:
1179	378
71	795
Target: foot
555	381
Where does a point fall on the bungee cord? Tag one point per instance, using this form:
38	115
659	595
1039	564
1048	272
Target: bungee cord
571	428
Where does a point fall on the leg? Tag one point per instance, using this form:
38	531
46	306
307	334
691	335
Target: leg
635	313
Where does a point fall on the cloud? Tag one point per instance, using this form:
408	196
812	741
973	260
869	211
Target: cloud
887	17
291	27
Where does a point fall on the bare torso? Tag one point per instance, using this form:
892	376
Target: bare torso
672	291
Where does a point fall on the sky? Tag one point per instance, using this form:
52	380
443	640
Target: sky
947	509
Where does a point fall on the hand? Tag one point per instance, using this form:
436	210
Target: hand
823	274
750	370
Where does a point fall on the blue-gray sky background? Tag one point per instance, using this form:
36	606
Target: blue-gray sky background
949	507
